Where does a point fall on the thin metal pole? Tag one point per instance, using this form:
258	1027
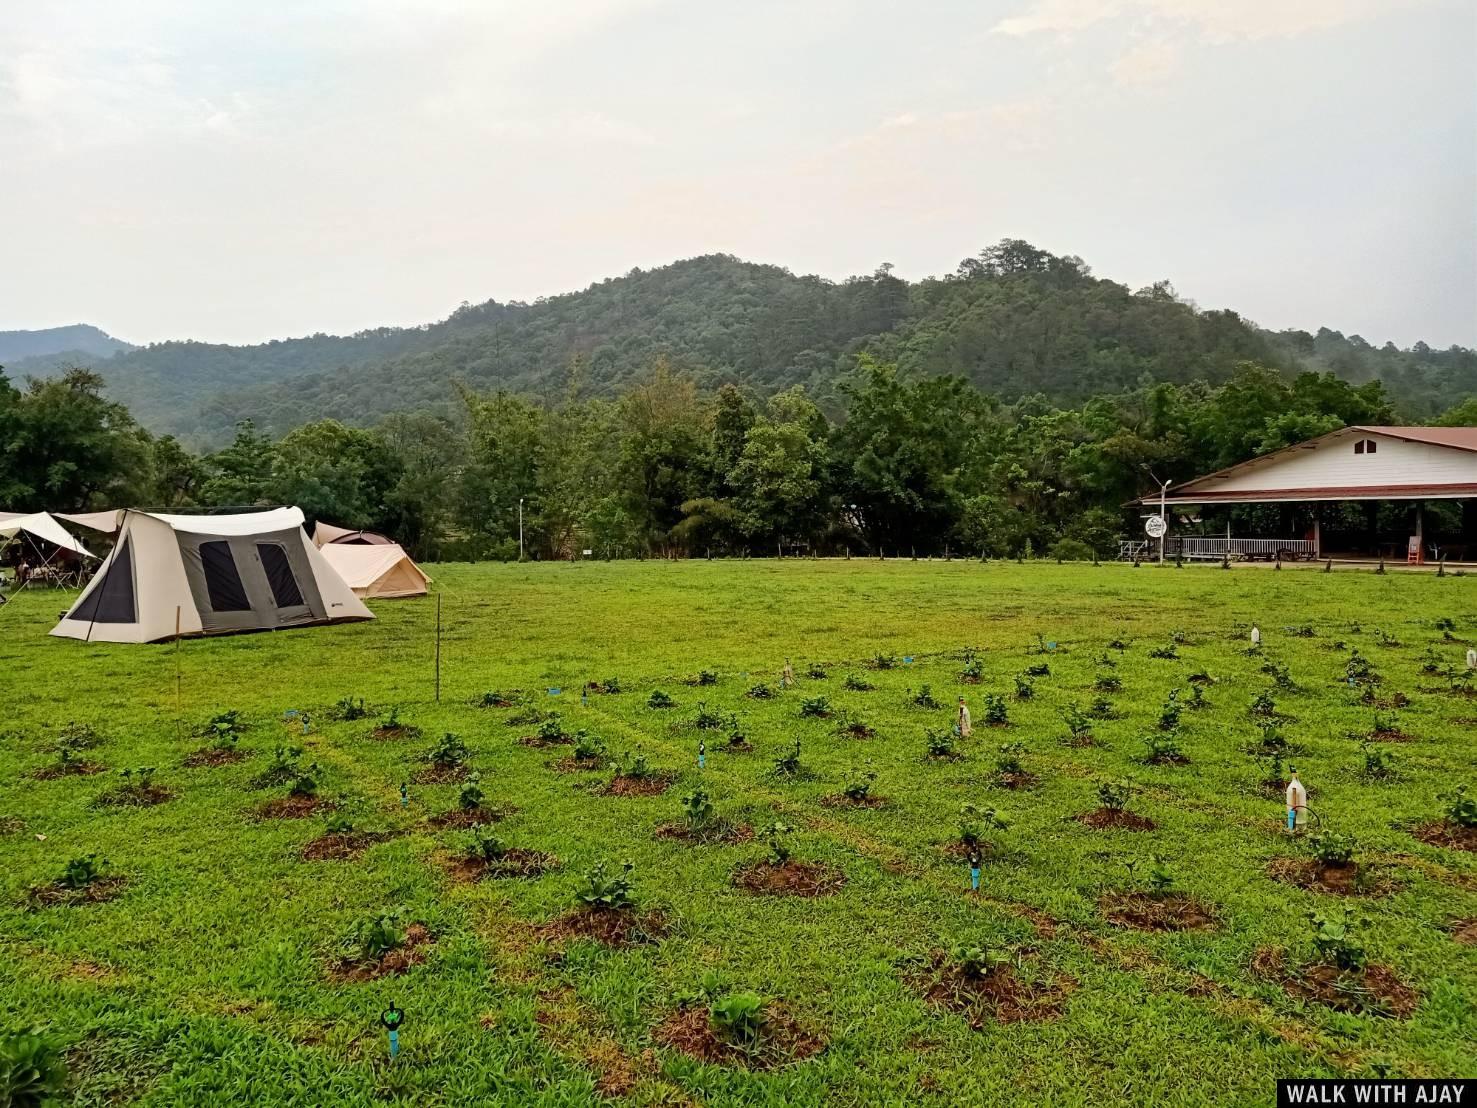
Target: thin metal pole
438	647
520	528
178	679
1164	488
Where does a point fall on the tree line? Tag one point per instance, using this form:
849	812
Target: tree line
915	462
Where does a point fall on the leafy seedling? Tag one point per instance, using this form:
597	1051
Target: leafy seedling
738	1017
604	891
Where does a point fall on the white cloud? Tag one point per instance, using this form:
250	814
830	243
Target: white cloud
1147	63
1213	20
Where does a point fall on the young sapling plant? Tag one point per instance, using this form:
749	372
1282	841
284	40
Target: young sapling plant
995	714
788	764
777	838
815	707
738	1018
606	891
855	682
923	698
660	700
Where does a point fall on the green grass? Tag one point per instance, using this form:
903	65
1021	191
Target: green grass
209	979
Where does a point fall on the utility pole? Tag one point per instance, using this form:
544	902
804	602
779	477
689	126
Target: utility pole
1163	489
520	529
1163	522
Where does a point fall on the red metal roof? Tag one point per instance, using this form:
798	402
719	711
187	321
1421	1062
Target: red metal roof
1347	492
1456	438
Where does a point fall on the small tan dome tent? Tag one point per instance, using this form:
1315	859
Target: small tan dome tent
377	571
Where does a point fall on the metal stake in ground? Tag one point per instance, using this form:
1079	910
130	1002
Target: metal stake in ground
974	871
438	643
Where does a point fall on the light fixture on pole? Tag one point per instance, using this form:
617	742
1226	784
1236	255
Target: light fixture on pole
520	528
1158	526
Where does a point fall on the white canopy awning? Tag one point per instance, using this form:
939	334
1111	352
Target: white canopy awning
241	523
42	526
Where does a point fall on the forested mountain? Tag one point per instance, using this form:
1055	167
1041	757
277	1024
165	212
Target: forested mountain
1015	321
80	340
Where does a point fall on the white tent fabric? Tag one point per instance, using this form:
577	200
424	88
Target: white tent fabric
376	571
325	533
107	522
42	526
209	575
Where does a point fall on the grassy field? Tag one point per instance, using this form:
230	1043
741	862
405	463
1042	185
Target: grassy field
215	970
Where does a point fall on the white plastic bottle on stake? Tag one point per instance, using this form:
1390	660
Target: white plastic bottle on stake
1256	635
1471	658
1297	802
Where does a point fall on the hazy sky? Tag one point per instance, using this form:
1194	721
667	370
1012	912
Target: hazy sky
237	171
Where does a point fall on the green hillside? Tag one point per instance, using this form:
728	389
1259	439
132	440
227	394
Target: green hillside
1014	320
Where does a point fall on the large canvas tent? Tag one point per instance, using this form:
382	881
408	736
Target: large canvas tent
377	571
172	575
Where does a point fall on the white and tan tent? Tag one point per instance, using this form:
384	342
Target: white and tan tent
325	533
376	572
172	575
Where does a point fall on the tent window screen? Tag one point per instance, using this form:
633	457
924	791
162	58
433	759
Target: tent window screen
279	575
222	581
112	601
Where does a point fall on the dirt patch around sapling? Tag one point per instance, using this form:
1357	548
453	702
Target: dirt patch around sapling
1080	742
412	952
722	831
1448	834
791	878
58	895
616	928
962	851
1020	782
538	742
515	862
1390	735
71	769
11	825
1002	995
856	730
213	756
385	733
440	775
1167	760
1147	912
132	796
654	785
1465	931
574	764
1350	880
338	846
294	807
462	818
744	747
841	800
1374	990
782	1041
1103	819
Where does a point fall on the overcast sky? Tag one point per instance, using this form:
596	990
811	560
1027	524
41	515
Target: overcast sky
245	169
